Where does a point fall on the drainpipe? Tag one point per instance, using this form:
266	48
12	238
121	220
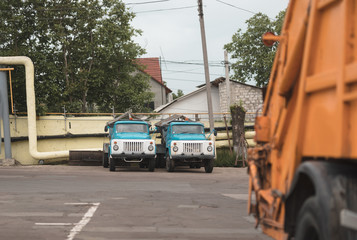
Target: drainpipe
31	108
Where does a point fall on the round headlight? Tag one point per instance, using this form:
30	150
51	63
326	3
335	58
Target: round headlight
115	147
175	148
151	147
209	148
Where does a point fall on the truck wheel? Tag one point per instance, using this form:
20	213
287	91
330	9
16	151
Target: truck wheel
152	163
170	164
209	166
105	161
111	164
307	226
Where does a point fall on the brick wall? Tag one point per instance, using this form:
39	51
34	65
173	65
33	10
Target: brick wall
251	97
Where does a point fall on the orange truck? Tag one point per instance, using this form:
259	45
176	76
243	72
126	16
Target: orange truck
303	171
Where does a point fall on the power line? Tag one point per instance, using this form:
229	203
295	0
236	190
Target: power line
166	9
242	9
184	80
187	72
140	3
192	63
228	4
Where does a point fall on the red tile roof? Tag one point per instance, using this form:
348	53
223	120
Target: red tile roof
153	69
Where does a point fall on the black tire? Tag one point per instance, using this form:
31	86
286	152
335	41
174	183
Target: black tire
111	164
307	226
170	164
160	161
105	161
152	164
209	165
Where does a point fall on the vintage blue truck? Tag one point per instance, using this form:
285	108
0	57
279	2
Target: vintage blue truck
183	143
129	142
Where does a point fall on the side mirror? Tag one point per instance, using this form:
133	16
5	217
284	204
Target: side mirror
106	129
215	132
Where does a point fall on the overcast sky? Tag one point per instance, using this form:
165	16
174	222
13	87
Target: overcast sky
171	30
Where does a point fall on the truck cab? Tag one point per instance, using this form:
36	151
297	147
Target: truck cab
129	143
184	144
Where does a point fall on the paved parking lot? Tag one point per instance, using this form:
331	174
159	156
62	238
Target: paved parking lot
70	202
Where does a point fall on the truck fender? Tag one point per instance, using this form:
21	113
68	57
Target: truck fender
327	182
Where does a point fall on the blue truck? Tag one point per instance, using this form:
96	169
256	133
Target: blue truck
129	143
183	143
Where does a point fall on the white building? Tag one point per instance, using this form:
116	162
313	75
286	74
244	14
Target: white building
196	101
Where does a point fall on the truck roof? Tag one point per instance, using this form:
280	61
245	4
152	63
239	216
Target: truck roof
185	123
131	122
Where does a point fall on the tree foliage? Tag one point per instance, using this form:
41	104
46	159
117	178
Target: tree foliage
178	94
83	51
253	59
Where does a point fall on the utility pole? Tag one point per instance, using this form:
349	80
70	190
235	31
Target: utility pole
205	61
228	89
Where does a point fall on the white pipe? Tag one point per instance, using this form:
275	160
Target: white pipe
31	108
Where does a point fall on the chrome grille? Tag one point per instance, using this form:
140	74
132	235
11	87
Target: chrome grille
192	147
133	146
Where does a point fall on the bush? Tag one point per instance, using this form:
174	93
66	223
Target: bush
226	159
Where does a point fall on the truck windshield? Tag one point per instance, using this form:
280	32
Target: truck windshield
197	129
142	128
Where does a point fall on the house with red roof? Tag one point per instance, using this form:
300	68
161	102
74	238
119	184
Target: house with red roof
152	68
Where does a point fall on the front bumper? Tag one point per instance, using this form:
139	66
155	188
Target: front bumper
132	155
192	156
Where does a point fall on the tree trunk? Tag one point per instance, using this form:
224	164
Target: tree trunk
65	71
85	82
238	118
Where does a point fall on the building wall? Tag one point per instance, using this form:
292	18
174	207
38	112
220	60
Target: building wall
160	97
57	126
251	98
196	103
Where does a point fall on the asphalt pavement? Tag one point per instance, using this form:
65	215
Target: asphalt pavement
90	203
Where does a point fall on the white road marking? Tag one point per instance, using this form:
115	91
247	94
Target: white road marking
54	224
85	220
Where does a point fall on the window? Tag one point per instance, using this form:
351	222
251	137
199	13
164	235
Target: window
197	129
134	127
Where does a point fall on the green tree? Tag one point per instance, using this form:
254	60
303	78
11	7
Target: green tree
83	53
179	94
253	59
